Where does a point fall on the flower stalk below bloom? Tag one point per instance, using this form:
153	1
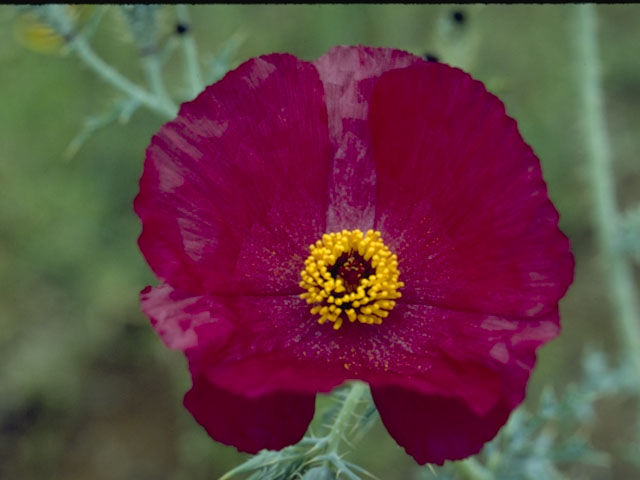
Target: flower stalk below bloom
344	417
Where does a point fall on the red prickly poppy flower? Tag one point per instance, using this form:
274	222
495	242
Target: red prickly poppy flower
366	216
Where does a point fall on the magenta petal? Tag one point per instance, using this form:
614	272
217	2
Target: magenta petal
250	423
277	345
433	429
479	359
175	315
224	182
349	75
280	151
461	199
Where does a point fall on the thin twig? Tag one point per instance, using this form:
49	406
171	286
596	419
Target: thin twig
194	75
153	69
114	78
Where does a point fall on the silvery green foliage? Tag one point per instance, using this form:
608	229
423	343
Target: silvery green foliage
319	473
547	443
143	25
316	457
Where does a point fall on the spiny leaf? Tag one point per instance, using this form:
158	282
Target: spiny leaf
319	473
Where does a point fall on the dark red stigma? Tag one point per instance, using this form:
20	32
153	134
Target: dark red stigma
351	268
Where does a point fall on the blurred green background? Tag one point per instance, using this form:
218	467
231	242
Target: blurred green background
87	390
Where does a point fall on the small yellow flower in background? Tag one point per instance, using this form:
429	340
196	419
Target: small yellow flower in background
35	34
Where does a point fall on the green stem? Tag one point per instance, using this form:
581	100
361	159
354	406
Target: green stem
89	29
471	469
153	69
605	209
113	77
62	22
349	405
194	75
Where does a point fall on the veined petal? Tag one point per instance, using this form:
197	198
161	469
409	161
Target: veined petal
175	315
461	197
349	75
224	182
434	428
250	423
279	152
277	345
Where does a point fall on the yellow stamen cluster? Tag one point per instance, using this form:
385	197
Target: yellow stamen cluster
351	276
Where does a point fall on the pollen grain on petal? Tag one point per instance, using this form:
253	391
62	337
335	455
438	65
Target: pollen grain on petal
351	276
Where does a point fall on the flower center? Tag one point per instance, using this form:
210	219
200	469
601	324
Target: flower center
351	276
